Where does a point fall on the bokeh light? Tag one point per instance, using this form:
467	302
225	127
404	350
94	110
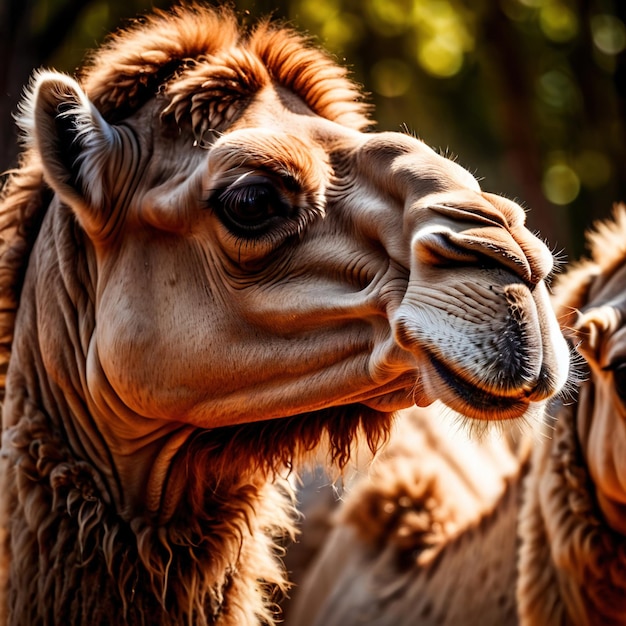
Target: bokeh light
391	78
443	35
560	184
389	17
319	11
557	89
440	56
558	21
593	168
609	34
342	30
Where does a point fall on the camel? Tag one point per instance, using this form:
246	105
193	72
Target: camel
211	266
510	530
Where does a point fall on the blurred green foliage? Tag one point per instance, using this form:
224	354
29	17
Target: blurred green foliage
530	95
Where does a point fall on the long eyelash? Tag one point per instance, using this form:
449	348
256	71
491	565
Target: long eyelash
241	194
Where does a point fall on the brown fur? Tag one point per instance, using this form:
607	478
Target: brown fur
24	201
572	562
412	535
176	52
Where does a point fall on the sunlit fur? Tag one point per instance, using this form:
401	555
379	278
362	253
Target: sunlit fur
172	49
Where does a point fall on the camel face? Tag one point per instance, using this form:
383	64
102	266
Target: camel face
288	263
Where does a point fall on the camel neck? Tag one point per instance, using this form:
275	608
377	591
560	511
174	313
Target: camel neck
73	554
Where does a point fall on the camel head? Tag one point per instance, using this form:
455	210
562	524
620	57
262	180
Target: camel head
591	301
225	245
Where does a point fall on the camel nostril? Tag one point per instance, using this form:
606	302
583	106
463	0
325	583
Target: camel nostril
485	247
436	248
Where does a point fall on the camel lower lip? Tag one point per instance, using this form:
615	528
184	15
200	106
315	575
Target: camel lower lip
472	401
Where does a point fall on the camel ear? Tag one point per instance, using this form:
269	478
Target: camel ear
75	143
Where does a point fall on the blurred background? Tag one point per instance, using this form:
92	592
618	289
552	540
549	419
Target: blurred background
529	95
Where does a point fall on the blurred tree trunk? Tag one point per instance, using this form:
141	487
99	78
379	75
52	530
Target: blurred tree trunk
514	99
620	84
17	60
21	50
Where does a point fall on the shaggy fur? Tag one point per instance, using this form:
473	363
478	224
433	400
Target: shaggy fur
572	563
86	545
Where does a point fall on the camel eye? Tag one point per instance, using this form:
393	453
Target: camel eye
251	206
619	379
